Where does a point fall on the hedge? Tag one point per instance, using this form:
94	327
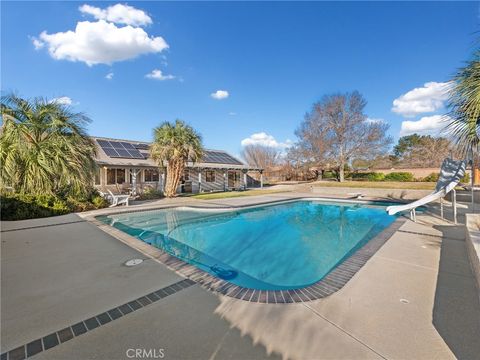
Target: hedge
399	176
370	176
433	177
328	175
15	206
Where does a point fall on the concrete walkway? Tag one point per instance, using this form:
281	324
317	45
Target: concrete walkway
414	299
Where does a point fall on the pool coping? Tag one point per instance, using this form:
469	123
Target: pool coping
329	284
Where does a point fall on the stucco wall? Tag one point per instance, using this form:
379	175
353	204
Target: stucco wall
417	172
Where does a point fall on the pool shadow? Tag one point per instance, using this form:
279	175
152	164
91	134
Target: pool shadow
456	311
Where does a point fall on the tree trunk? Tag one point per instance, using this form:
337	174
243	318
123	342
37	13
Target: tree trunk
174	172
341	172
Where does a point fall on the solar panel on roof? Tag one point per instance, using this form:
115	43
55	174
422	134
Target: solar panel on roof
219	158
119	149
127	146
142	146
123	153
103	143
110	152
134	153
117	145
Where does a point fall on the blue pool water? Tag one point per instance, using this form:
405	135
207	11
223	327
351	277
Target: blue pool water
279	246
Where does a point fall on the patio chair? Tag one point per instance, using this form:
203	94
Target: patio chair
118	199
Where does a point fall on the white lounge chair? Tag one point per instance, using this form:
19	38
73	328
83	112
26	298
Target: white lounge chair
119	199
115	199
450	174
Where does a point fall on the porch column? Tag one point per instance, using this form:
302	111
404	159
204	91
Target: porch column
244	180
133	174
224	181
103	177
200	180
162	185
261	179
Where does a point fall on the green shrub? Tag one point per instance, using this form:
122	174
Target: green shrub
399	176
465	179
20	206
369	176
150	194
16	206
433	177
328	175
99	202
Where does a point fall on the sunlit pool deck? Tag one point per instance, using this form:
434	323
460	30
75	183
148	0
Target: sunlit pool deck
67	294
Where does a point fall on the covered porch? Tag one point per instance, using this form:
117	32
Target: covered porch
132	180
212	177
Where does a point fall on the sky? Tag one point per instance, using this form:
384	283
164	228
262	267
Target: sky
239	72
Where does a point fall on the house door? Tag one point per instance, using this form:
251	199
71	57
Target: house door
233	179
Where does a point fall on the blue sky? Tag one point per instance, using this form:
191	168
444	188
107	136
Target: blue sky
274	59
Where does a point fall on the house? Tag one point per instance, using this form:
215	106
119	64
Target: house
126	166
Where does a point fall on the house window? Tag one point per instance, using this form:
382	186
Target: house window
151	175
210	176
111	176
97	176
120	176
115	176
186	175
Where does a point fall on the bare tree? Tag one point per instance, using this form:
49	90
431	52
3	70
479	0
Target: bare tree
296	164
261	156
336	131
423	151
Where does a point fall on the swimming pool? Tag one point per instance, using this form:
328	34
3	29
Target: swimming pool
270	247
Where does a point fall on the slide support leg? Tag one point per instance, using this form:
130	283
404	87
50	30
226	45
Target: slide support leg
413	215
454	205
441	208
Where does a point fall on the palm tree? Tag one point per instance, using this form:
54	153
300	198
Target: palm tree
464	106
44	147
175	144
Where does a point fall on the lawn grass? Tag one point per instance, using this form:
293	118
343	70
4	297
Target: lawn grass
378	185
232	194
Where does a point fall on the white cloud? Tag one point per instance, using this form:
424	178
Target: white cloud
429	98
264	139
158	75
37	43
119	13
99	42
109	76
375	121
427	125
220	94
231	113
63	100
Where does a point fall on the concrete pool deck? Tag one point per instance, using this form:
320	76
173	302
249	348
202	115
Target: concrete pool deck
415	298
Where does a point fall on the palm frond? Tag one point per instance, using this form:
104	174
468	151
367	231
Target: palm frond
44	146
464	105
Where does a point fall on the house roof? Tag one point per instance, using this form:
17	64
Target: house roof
130	153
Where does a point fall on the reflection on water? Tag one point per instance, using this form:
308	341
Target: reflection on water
270	247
